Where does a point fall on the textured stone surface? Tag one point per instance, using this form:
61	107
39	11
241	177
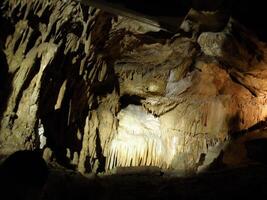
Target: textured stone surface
74	70
54	71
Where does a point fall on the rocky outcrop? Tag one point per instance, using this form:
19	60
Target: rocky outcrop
55	71
202	90
99	91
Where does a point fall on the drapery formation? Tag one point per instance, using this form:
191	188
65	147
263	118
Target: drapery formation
107	91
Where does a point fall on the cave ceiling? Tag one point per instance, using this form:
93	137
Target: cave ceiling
171	12
95	90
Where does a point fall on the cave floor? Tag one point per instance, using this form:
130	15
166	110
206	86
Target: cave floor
235	183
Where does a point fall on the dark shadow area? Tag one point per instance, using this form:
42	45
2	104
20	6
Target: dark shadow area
56	133
99	153
5	77
152	37
6	25
157	8
126	100
5	82
257	150
23	176
55	120
105	87
259	126
252	14
236	183
249	13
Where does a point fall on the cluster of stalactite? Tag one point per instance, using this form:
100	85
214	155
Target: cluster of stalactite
104	91
56	78
202	89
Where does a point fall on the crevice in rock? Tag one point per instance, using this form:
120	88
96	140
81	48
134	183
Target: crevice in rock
99	154
17	44
234	79
5	82
126	100
32	40
97	71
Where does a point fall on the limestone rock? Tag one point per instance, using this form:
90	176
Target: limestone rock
101	85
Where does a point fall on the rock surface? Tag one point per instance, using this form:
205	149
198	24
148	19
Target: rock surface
74	70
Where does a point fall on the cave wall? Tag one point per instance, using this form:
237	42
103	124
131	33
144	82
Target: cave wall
55	78
69	73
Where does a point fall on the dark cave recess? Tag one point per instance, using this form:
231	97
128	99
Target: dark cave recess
247	12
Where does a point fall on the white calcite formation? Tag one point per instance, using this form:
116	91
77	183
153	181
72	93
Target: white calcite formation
140	141
68	69
191	104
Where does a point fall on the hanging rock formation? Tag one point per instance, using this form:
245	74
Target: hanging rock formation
107	91
54	71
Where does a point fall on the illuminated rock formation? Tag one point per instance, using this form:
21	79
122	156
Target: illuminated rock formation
106	91
200	98
140	141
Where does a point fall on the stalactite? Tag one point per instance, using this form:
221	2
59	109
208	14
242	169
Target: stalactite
139	138
56	66
71	65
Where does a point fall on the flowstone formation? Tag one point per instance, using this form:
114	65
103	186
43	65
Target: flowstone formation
140	141
97	91
202	90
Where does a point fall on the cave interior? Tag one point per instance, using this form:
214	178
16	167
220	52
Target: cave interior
112	99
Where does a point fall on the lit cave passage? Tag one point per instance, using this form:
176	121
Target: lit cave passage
97	105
